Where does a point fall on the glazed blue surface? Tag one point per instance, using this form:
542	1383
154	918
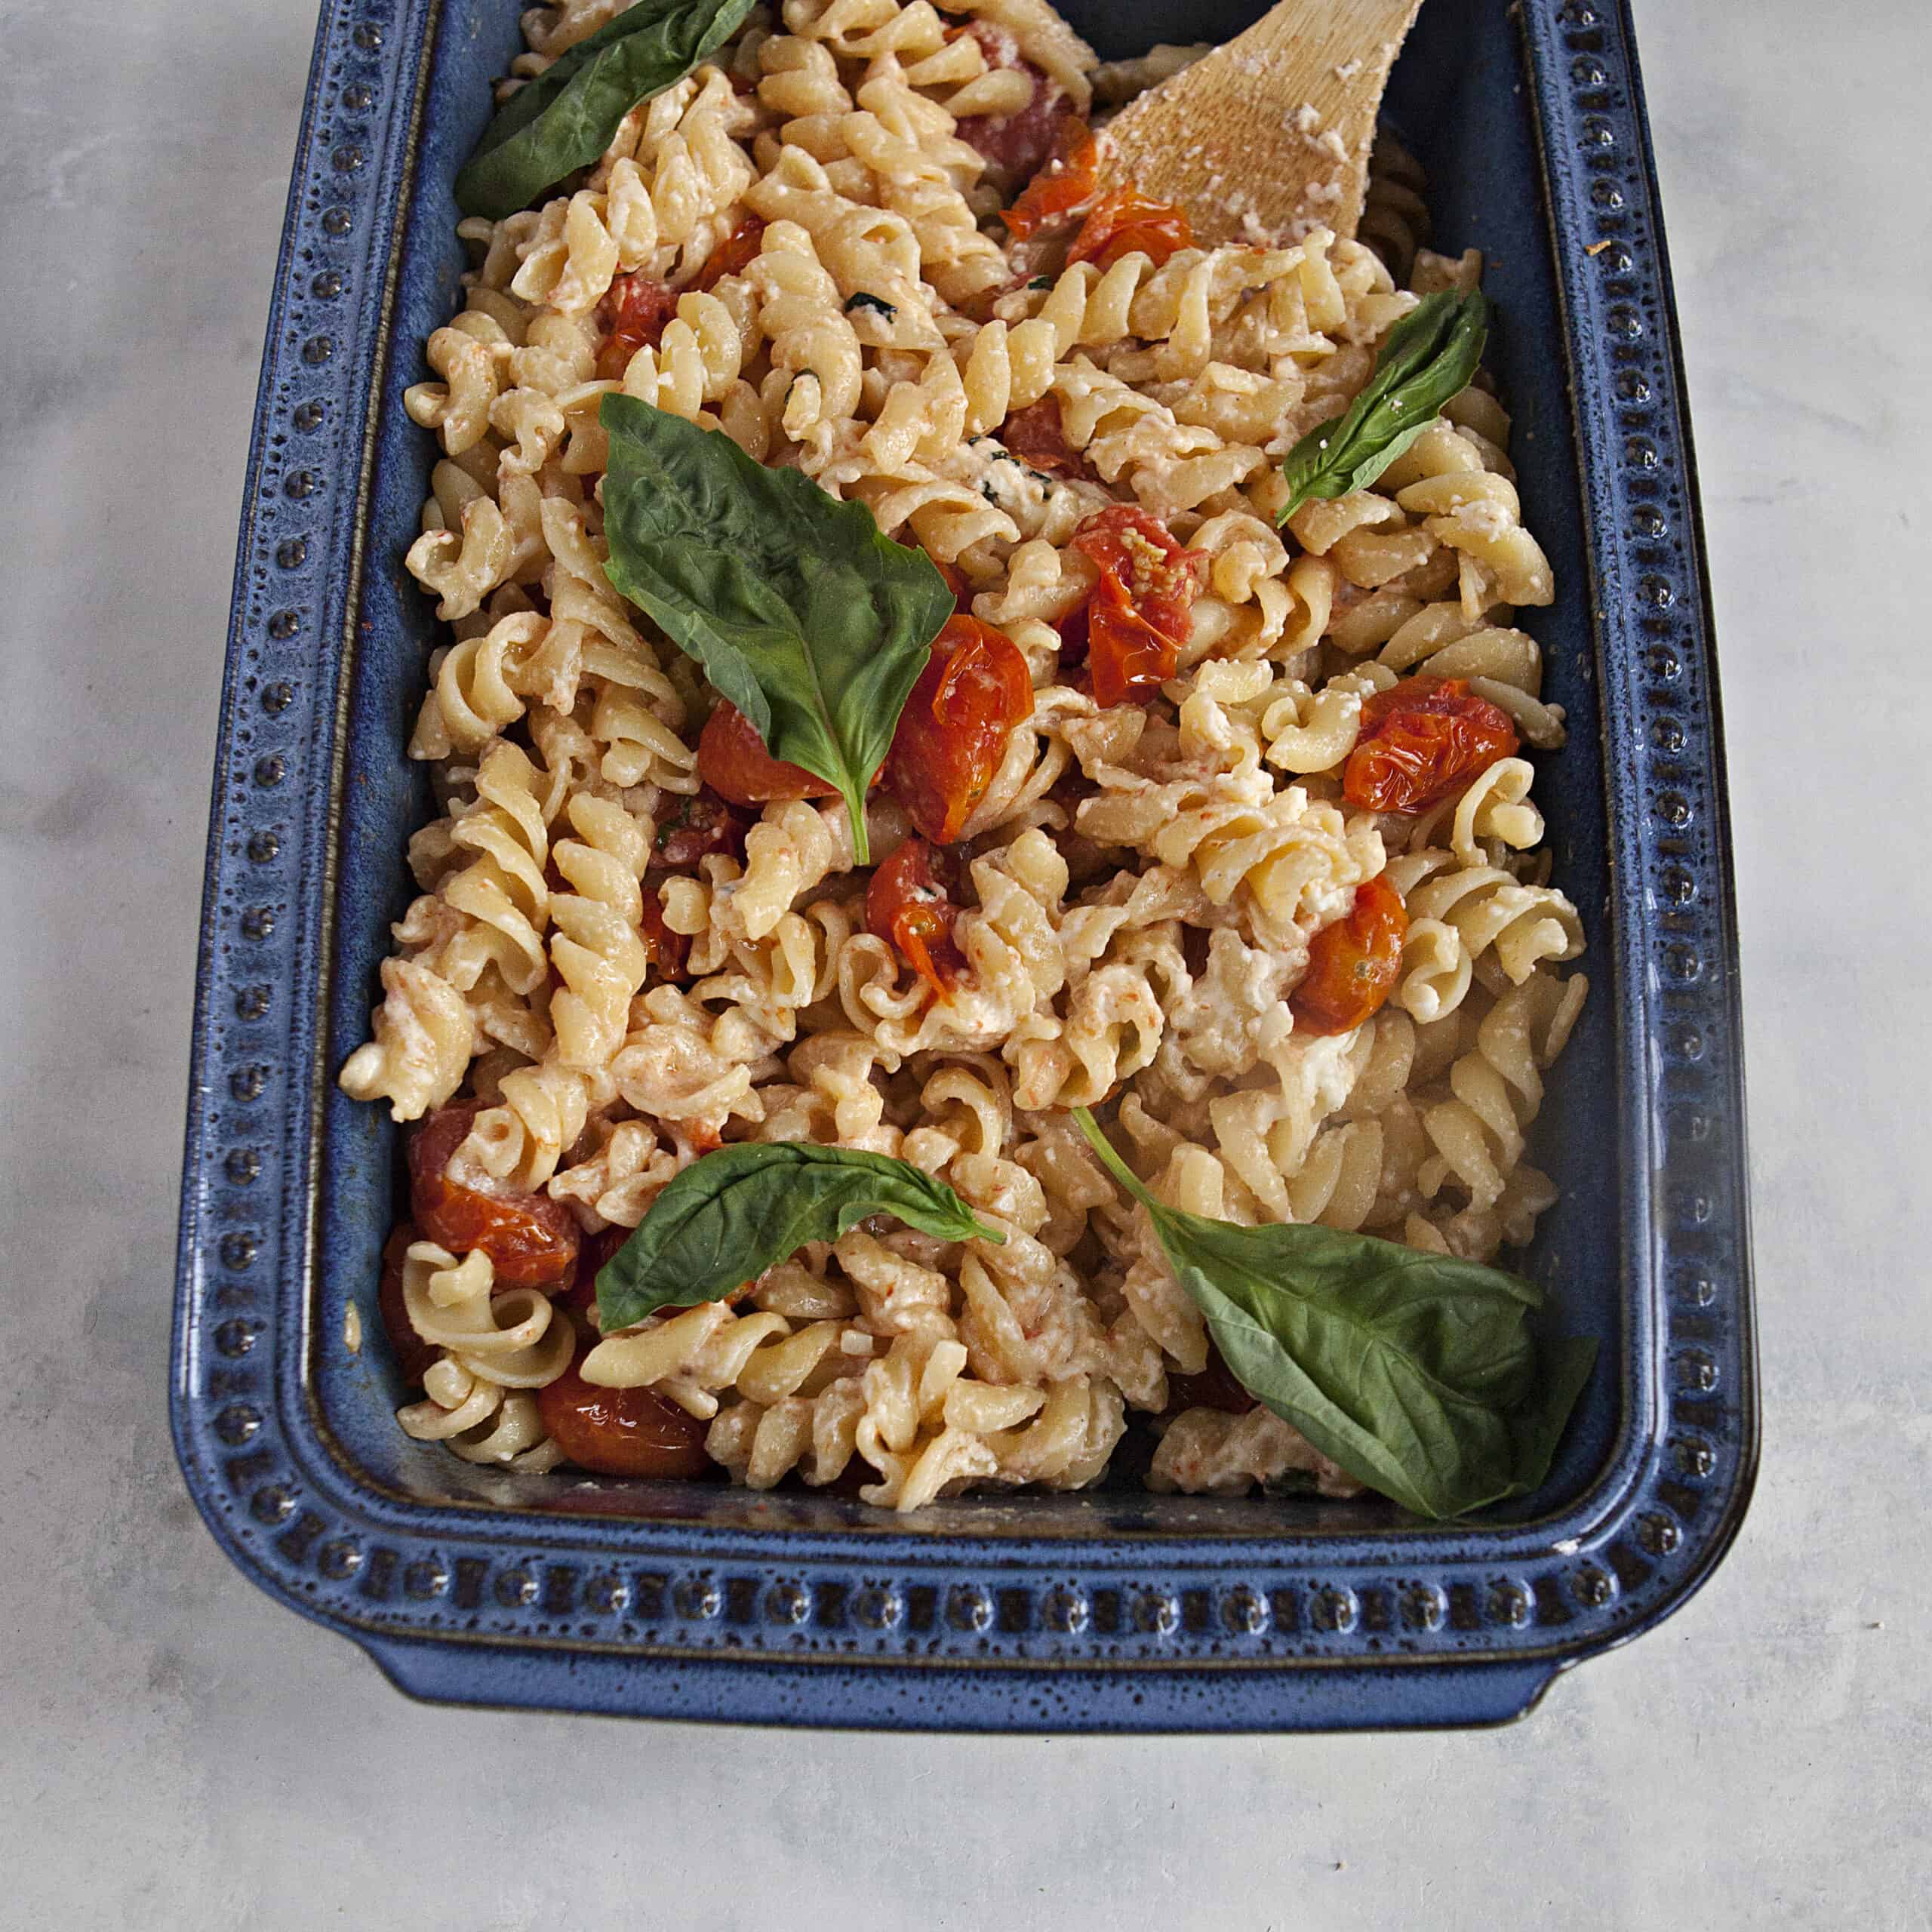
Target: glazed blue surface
1114	1609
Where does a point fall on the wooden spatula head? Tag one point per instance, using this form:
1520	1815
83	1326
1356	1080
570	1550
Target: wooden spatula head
1269	135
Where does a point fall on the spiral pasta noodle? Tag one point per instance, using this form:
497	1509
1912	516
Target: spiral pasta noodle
1461	914
596	950
494	1347
1496	1088
424	1037
637	219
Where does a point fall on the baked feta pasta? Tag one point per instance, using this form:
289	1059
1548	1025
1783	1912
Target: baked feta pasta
987	892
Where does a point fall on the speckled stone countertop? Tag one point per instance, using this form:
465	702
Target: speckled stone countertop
180	1752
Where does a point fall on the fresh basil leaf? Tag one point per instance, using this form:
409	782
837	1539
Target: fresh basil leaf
563	119
1419	1373
878	304
1538	1424
812	622
730	1215
1364	1399
1426	362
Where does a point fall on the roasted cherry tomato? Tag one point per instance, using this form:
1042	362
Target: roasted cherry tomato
1037	436
733	761
1142	608
620	1431
1160	577
1125	222
733	255
912	903
1130	659
1421	741
414	1356
635	311
1214	1387
1353	963
1072	630
1069	181
531	1240
1014	145
697	827
953	731
666	950
580	1297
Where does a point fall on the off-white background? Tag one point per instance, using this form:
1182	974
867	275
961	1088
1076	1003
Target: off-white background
177	1751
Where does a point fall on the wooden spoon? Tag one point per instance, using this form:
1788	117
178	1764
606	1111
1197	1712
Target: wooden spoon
1269	135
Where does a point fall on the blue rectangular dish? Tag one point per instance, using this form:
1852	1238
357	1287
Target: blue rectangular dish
1113	1610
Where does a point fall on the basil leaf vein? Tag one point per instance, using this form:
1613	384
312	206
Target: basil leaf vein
810	621
724	1219
1426	362
563	119
1420	1374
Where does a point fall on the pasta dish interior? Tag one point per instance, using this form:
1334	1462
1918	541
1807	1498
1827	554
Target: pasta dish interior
987	892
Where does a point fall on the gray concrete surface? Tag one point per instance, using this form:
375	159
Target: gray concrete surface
177	1751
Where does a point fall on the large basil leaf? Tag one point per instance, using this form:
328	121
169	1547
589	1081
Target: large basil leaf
814	624
1419	1373
730	1215
1426	362
1539	1421
563	119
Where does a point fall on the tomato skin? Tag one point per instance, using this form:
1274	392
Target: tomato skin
733	761
954	729
733	255
1421	741
701	825
1013	146
635	311
620	1431
531	1240
1037	436
1073	629
911	903
1129	659
1067	183
597	1250
1162	579
414	1356
1016	146
1124	222
1353	963
1214	1387
580	1297
666	951
1142	608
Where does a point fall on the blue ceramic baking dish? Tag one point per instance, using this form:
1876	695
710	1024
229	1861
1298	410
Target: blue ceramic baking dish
1114	1609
